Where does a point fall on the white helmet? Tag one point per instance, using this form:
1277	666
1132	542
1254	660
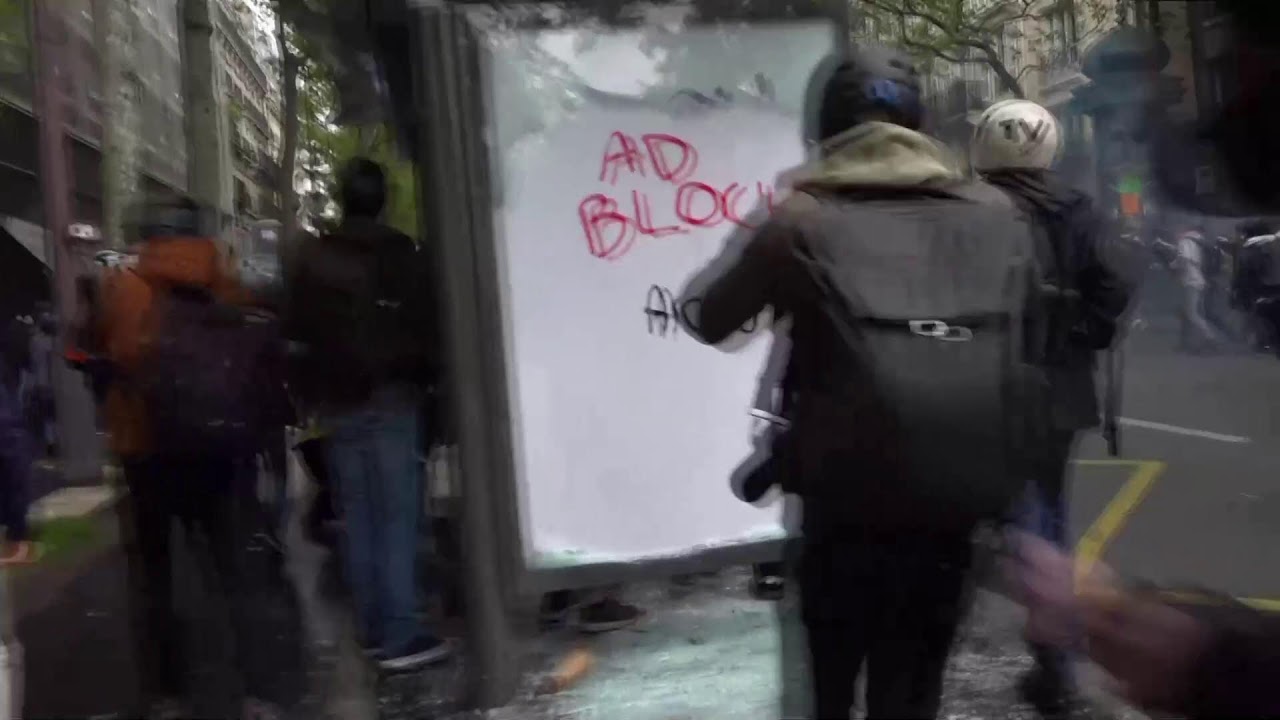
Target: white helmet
1016	134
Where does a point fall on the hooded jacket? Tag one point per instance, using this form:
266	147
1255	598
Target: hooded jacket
871	159
774	268
1074	233
126	322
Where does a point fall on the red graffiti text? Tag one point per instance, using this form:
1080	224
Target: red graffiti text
613	222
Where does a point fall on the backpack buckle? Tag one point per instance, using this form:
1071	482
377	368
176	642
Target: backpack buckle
940	330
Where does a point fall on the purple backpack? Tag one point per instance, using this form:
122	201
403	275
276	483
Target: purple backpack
210	378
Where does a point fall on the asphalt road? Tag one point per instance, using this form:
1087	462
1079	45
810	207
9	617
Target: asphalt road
1200	505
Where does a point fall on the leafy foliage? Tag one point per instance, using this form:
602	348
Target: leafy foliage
15	41
321	146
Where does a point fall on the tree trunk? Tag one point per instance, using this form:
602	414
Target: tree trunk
208	159
289	143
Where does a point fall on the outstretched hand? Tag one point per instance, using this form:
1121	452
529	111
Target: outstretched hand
1150	648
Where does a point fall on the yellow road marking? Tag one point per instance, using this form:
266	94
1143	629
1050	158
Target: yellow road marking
1104	529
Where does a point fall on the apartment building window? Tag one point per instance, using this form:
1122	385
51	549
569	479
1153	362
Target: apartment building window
1064	36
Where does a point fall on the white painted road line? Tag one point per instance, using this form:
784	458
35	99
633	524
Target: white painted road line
1147	424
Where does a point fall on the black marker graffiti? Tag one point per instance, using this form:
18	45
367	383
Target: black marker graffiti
666	315
659	310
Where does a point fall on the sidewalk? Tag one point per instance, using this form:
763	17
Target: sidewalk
712	653
704	651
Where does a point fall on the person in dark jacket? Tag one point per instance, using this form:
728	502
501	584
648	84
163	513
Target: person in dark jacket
361	310
1256	284
868	592
1015	144
15	479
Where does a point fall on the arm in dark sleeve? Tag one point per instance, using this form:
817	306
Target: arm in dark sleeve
1104	291
1238	673
294	276
736	288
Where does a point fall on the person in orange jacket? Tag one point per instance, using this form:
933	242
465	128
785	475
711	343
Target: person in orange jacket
200	491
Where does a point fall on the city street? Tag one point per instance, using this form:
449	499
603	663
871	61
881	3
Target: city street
1200	504
456	202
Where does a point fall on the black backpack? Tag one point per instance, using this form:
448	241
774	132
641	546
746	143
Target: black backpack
363	322
942	409
211	377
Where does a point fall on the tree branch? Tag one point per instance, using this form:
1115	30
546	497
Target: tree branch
931	19
1023	71
997	65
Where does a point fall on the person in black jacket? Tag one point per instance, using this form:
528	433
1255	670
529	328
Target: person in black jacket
362	315
887	588
1015	144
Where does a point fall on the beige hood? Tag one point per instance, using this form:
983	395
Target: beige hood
877	154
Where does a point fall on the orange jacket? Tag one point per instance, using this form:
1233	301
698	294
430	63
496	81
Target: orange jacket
127	298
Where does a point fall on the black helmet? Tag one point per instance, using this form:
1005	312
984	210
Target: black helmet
872	82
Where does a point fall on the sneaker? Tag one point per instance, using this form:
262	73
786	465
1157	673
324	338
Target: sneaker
607	615
768	587
424	651
1047	693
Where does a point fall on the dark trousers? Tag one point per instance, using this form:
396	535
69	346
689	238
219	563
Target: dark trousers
893	604
1046	516
208	501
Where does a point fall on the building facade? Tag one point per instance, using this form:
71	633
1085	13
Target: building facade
1042	47
154	86
252	100
150	55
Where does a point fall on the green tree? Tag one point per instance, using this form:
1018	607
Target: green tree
15	38
954	32
312	141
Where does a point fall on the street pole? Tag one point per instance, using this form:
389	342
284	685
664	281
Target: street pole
50	46
493	668
79	447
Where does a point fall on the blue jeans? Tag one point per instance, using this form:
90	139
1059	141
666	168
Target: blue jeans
1045	516
373	457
